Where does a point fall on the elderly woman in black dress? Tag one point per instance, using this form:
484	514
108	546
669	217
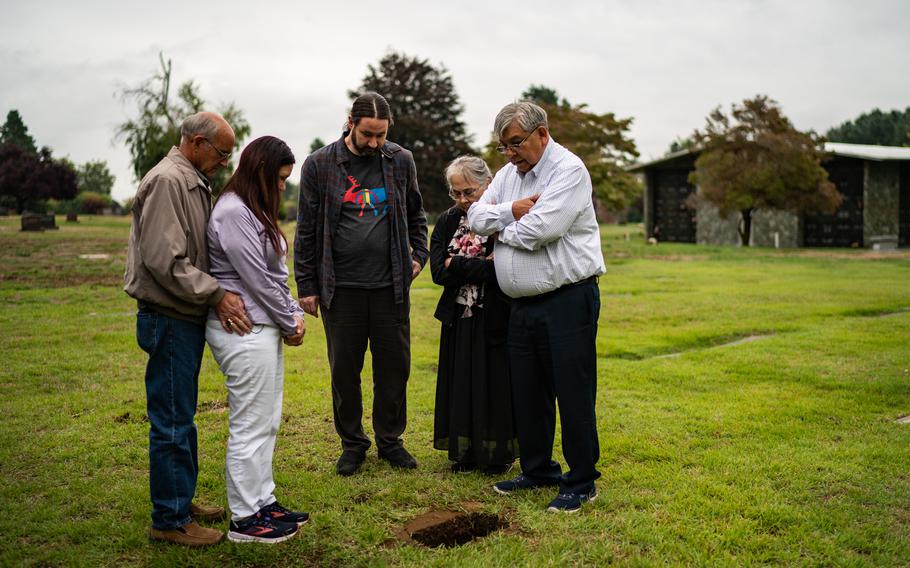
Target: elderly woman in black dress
473	418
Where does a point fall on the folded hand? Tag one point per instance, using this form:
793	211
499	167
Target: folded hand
297	338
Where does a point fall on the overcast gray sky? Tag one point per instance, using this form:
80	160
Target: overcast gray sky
289	65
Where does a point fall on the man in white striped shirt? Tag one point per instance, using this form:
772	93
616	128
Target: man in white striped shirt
547	258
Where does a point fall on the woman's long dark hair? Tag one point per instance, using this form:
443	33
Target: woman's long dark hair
255	181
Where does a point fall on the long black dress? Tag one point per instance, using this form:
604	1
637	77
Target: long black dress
473	418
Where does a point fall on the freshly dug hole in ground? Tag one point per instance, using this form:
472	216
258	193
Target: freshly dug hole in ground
448	528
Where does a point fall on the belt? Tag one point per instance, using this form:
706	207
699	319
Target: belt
563	288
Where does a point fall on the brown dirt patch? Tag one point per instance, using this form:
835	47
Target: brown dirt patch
127	418
450	528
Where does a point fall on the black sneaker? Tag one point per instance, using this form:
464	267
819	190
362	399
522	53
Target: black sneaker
398	457
261	528
521	481
571	502
349	462
279	513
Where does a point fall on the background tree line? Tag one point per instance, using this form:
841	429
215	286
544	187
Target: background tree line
428	121
32	179
875	127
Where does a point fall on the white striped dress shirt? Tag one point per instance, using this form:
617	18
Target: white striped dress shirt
558	241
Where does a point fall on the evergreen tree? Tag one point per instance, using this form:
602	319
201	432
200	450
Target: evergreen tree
316	144
875	127
15	132
543	95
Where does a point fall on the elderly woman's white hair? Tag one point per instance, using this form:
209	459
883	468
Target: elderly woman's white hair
473	168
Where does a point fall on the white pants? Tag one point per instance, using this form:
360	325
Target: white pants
253	366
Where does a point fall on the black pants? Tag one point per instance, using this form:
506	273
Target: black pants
552	353
359	316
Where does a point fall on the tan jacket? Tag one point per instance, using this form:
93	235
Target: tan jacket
167	263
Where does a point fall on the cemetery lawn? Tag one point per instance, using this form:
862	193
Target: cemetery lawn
748	408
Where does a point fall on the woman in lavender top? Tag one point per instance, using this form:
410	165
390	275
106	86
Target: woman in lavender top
248	250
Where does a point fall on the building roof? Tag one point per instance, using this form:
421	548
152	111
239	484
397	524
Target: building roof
868	152
861	151
663	159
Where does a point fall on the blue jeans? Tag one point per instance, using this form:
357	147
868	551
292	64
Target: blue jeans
175	351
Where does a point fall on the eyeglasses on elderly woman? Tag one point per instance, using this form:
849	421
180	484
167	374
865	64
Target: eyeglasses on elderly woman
466	192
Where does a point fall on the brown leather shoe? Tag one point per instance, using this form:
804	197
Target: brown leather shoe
189	534
207	513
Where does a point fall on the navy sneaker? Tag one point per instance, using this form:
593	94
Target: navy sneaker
261	528
279	513
571	502
521	481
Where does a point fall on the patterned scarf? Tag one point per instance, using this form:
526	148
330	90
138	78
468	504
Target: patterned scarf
466	243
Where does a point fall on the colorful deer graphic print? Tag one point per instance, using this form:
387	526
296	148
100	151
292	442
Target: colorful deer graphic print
371	198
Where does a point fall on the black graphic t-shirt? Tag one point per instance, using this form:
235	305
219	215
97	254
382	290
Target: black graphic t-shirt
361	247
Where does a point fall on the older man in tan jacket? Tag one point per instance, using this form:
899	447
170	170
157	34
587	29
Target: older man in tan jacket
167	273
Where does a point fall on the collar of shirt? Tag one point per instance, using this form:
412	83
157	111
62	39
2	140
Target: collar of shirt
204	180
544	164
187	169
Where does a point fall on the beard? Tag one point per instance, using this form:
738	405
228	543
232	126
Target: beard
362	149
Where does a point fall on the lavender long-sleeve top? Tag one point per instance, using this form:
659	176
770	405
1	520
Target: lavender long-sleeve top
244	261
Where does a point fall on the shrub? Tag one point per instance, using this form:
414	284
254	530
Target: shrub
92	203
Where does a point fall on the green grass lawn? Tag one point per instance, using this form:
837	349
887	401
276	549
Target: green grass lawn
782	449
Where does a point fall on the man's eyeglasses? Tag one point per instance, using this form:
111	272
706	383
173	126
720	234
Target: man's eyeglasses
502	149
224	155
467	192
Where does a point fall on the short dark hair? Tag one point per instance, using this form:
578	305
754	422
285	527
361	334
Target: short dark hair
371	105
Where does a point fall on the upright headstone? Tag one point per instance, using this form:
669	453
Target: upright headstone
49	221
32	222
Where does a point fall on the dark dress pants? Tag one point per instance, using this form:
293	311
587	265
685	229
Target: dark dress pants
359	317
552	353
